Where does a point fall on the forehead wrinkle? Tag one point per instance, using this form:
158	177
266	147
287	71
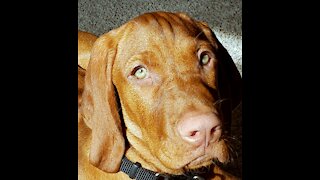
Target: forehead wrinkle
152	31
188	25
168	26
168	30
174	19
160	26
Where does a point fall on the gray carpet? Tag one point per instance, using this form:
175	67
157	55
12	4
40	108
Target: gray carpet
224	18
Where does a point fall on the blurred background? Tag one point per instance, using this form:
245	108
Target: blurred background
224	18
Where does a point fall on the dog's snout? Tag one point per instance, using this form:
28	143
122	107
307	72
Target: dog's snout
199	129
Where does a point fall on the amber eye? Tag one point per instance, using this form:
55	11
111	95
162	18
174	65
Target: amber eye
204	59
140	72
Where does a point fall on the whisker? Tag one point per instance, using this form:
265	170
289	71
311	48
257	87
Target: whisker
195	39
234	147
219	101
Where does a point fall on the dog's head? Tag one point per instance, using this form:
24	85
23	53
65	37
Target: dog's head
176	86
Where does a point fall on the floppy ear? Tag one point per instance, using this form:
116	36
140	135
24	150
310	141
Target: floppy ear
229	79
99	106
81	75
85	43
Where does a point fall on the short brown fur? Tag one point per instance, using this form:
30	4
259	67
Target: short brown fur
167	45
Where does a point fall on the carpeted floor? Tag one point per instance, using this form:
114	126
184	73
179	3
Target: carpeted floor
224	18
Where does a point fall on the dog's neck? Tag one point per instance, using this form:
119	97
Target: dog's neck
150	163
148	160
136	171
132	154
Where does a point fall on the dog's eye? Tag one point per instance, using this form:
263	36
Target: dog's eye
204	58
140	72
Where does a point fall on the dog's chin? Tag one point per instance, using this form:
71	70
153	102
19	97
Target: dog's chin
200	162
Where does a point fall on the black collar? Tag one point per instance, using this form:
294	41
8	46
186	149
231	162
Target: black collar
136	171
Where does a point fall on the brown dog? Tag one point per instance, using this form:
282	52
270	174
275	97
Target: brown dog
158	90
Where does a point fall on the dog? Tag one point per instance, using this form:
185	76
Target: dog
155	101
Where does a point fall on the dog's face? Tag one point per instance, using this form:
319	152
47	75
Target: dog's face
165	68
165	71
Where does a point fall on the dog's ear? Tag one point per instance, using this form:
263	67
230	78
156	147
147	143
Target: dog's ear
81	75
99	106
229	80
85	43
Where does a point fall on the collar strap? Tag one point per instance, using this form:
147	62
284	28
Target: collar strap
136	171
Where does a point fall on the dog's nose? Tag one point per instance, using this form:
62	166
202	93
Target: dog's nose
199	129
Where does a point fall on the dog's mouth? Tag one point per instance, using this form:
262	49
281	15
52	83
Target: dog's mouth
218	153
199	162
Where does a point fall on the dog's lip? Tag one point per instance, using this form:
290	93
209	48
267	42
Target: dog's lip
200	161
202	156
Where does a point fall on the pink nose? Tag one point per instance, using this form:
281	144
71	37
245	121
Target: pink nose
199	129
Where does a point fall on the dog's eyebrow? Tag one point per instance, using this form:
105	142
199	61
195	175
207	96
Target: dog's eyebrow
142	57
